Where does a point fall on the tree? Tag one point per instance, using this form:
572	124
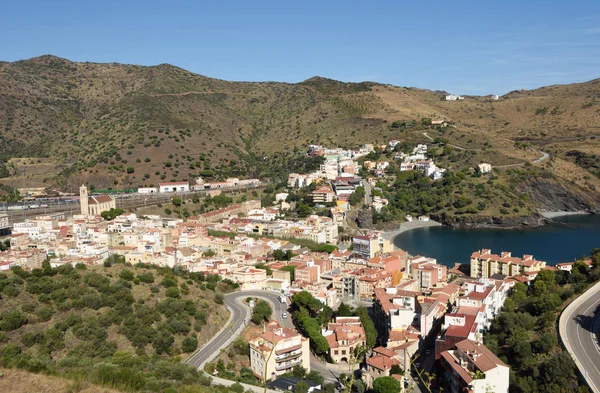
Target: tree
176	201
189	344
344	311
299	371
302	387
368	325
126	275
386	385
262	312
315	377
111	214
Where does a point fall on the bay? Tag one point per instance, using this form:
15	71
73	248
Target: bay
564	240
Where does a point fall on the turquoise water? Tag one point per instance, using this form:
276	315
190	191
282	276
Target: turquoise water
569	237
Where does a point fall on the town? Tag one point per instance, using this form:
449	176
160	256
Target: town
427	316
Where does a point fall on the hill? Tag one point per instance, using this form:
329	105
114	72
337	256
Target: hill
126	328
117	125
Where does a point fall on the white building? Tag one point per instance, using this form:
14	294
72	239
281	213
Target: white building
181	186
485	168
147	190
452	97
29	228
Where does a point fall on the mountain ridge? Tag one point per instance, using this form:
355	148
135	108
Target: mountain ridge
101	122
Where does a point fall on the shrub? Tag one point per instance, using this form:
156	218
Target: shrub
189	344
173	292
12	320
127	275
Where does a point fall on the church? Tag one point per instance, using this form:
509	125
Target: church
94	205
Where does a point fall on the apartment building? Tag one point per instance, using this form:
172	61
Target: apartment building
394	309
370	246
323	194
277	350
484	264
471	367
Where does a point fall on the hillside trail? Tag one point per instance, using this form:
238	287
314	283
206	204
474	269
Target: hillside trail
536	161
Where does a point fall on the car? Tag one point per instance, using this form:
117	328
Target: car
428	351
284	315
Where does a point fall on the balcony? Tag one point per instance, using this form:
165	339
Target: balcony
288	355
286	365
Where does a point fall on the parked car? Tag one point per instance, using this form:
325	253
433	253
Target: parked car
284	315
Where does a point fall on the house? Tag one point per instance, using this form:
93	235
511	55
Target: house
249	278
452	97
277	350
180	186
474	368
484	168
94	205
380	364
343	336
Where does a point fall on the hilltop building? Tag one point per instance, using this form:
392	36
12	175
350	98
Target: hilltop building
94	205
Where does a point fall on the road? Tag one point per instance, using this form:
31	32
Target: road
240	316
578	326
536	161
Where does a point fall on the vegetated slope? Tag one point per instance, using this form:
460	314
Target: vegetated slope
117	125
19	381
117	326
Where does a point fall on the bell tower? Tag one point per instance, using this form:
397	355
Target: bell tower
83	199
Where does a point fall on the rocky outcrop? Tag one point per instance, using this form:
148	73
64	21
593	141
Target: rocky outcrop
553	196
474	222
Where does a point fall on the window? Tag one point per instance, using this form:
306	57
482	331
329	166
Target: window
335	352
343	351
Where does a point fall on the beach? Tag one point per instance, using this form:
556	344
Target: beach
562	213
409	225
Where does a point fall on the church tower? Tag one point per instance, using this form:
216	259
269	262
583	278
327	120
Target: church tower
83	199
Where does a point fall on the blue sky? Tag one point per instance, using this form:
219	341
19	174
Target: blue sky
464	47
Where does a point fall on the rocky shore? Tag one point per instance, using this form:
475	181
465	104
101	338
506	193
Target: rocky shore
492	222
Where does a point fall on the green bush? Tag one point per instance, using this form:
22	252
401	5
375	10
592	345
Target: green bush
12	320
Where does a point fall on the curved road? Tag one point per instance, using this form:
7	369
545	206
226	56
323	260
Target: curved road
578	325
536	161
240	316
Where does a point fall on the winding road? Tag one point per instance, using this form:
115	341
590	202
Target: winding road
578	327
239	318
536	161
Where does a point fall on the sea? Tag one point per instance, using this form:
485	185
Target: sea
564	240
